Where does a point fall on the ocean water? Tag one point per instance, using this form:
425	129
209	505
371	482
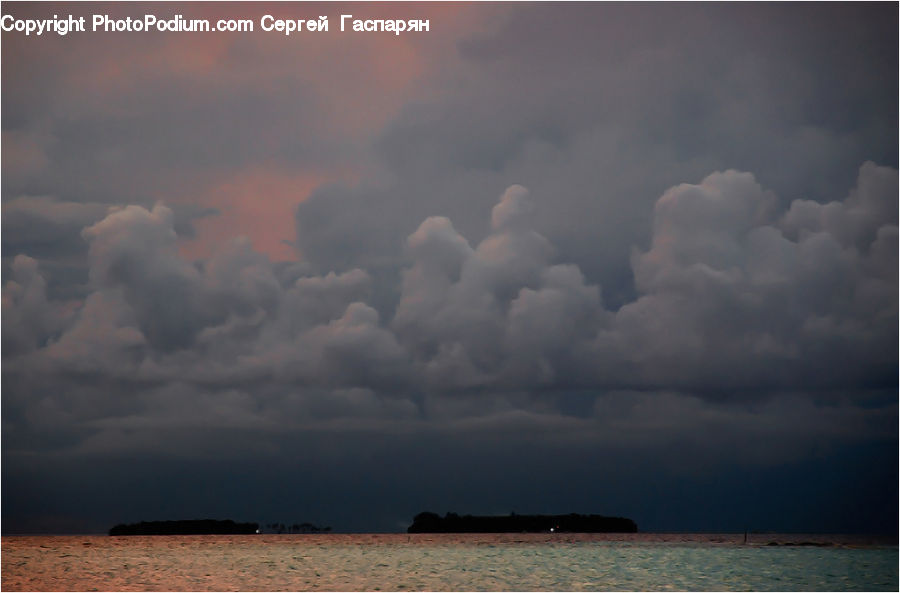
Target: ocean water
434	562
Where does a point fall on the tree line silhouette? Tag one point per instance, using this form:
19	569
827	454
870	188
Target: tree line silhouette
573	523
185	527
211	527
296	528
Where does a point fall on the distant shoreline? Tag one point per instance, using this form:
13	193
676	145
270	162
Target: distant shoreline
185	527
572	523
756	539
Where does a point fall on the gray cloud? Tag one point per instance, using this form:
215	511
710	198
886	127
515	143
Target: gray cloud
733	292
31	319
737	299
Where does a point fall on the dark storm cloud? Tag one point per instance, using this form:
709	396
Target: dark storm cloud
737	297
775	325
50	230
597	243
30	317
731	291
120	126
604	114
45	226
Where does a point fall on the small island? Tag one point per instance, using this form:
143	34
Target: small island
513	523
186	527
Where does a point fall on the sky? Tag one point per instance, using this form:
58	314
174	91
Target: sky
628	259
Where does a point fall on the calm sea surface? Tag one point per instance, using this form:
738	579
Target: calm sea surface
398	562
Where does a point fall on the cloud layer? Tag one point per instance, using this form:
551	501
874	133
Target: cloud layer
632	249
738	302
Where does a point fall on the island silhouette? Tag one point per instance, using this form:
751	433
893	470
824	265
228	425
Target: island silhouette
572	523
185	527
425	522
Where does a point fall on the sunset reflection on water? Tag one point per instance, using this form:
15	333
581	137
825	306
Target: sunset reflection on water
557	561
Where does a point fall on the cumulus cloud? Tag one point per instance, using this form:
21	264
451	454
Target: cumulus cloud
734	295
455	300
736	298
134	250
512	208
757	334
854	222
761	331
30	320
45	226
314	300
734	291
104	340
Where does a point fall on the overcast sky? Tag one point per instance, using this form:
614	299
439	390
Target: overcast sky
634	260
